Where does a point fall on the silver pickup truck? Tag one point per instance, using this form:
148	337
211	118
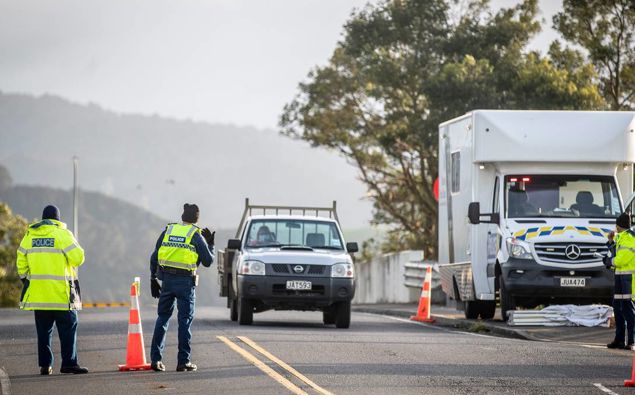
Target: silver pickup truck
288	258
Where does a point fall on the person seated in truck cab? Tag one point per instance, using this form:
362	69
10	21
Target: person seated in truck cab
263	237
584	205
519	205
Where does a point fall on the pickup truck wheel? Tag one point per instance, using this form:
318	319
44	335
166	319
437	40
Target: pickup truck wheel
245	311
472	309
343	315
488	309
328	316
233	310
507	300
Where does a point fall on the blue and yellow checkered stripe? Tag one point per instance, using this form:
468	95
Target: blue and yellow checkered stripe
526	234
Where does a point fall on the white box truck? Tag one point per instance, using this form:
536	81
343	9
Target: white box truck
526	200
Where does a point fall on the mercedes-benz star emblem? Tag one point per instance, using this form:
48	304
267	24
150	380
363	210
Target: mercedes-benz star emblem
298	269
572	252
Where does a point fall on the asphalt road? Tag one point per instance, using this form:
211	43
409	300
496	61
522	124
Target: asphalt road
377	355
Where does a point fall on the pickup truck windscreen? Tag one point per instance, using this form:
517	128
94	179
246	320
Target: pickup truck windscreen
296	233
561	196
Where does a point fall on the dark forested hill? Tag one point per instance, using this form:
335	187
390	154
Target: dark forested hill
118	238
159	163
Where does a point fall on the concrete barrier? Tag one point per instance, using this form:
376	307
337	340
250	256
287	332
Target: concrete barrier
384	279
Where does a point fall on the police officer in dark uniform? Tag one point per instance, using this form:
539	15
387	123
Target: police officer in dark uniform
179	251
621	258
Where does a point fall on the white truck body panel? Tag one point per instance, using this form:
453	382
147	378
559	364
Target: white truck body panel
483	146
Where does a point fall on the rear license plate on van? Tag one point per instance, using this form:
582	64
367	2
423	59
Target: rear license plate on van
299	285
572	282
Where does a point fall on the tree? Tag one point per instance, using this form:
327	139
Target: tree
400	70
606	30
12	229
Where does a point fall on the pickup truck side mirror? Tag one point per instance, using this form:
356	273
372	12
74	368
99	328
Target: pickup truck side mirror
233	244
474	214
352	248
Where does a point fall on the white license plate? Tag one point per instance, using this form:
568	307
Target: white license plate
572	282
299	285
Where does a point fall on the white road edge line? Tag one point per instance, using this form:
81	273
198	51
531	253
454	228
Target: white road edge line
440	328
5	383
604	389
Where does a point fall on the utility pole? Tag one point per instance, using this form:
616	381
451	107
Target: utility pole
75	197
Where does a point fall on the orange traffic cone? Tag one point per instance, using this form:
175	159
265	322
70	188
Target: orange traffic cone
631	382
136	354
423	312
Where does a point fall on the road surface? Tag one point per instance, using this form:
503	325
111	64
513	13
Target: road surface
377	355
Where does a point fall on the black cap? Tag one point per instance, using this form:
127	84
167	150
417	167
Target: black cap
623	221
51	212
190	213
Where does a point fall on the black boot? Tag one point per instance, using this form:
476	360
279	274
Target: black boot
73	370
46	370
615	344
190	367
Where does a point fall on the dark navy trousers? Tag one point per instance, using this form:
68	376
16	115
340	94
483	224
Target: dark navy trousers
624	310
179	291
66	322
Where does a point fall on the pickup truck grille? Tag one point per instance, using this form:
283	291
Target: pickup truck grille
308	270
557	252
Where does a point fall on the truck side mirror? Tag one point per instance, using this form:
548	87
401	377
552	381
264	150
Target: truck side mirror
352	248
474	213
233	244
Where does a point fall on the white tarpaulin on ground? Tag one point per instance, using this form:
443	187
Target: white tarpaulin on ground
563	315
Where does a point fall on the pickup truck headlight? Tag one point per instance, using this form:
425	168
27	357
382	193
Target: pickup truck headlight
345	270
518	249
253	268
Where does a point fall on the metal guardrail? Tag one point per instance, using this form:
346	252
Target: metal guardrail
415	273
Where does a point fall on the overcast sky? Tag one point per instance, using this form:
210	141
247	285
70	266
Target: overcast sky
230	61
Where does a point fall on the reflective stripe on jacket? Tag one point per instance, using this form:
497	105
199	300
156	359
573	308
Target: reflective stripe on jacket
47	259
624	265
176	250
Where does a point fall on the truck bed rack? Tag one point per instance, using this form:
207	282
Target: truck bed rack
291	210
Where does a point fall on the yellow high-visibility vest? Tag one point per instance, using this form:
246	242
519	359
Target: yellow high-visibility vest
625	261
47	258
176	250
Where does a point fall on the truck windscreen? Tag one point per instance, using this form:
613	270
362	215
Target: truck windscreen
303	233
572	196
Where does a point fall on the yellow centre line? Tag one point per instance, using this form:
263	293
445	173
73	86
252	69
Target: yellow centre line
283	365
261	365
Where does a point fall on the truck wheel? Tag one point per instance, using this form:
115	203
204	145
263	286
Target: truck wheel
328	316
233	310
488	309
472	309
343	315
245	311
506	299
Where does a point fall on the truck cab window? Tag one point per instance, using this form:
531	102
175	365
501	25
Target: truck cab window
456	171
561	196
495	199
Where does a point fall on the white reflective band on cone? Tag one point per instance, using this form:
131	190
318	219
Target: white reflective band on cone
134	328
425	294
134	303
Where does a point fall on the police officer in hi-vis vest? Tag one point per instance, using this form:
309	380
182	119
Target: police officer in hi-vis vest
179	251
48	258
621	258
